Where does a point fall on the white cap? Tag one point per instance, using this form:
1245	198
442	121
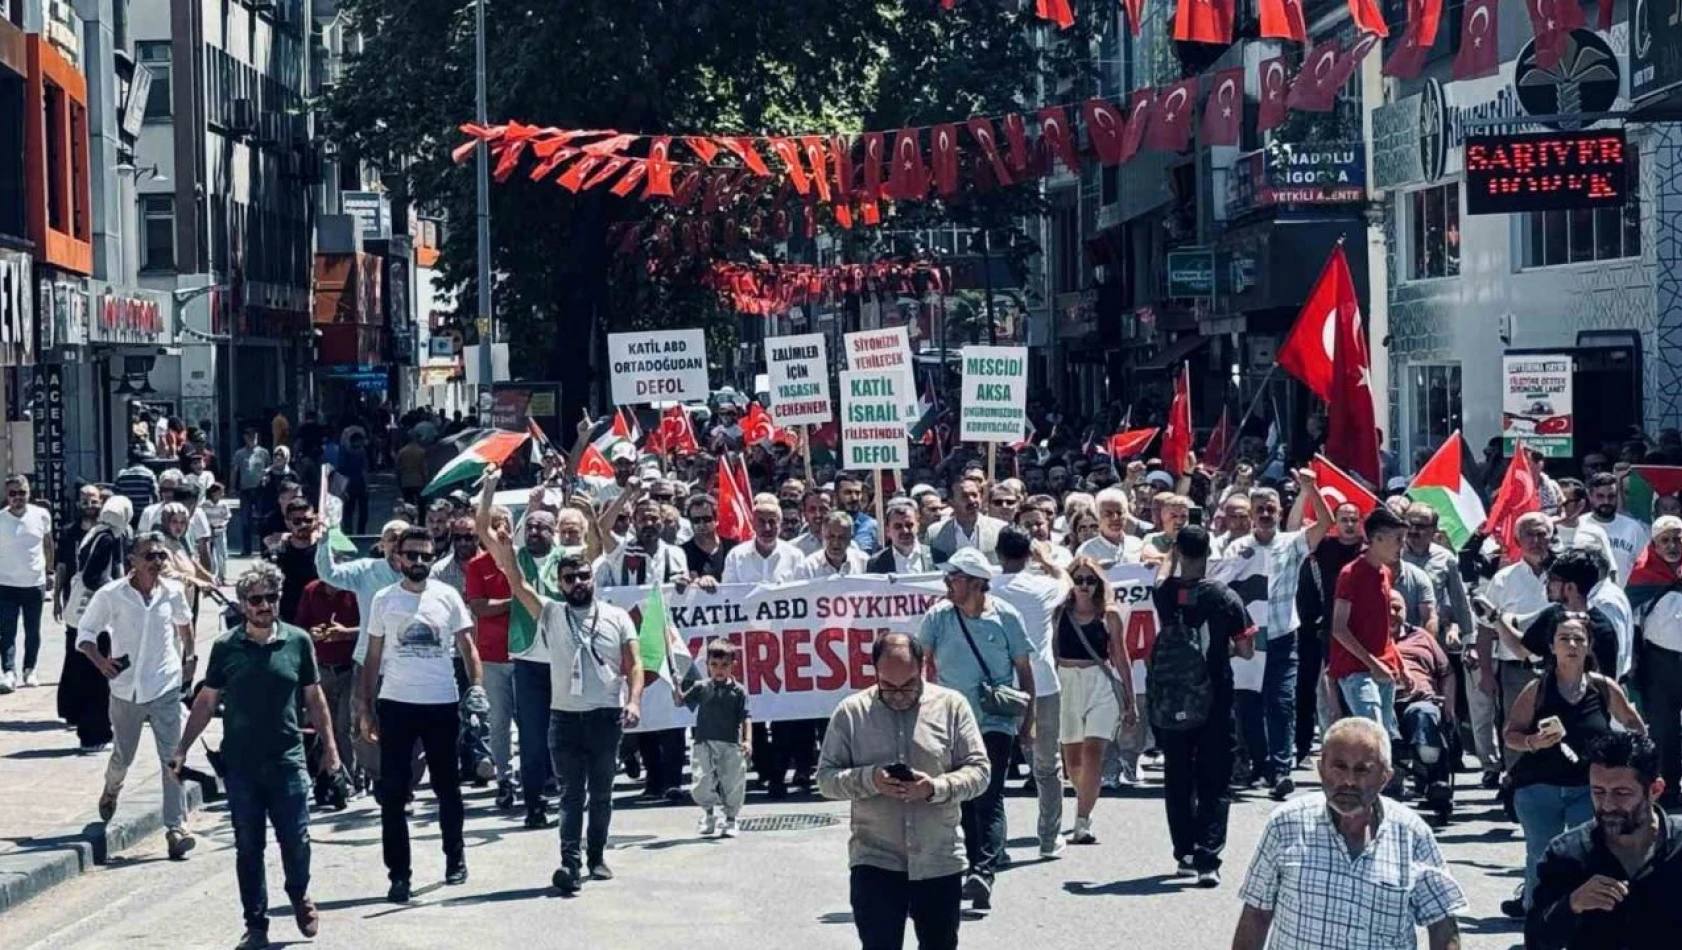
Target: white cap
1666	523
622	450
968	561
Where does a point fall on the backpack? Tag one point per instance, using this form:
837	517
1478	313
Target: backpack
1180	693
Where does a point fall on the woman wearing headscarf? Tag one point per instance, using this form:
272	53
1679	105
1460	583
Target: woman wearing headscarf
101	558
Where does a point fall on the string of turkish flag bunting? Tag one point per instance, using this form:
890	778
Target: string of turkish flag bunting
767	288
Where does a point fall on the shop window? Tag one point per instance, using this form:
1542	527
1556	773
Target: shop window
1434	232
155	57
1433	404
157	214
1586	235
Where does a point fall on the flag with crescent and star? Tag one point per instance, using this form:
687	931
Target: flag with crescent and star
1408	60
1312	90
1351	425
1056	137
1274	84
1104	126
943	160
1138	122
1223	113
1552	21
987	139
1344	69
1170	130
1480	52
1204	21
1283	20
1368	18
908	180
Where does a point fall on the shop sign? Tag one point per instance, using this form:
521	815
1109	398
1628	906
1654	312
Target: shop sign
17	308
1655	49
48	399
1312	174
1191	273
1418	140
133	317
1549	171
1536	404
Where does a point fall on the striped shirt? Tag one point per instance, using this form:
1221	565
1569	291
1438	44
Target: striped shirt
139	485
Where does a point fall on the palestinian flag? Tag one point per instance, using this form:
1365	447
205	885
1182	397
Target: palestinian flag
927	411
1650	578
664	655
1645	484
1443	487
624	429
492	449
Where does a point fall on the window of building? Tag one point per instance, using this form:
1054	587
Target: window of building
157	215
1434	232
1065	250
58	187
1433	404
155	57
1586	235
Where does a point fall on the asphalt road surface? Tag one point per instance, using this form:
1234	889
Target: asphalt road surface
781	884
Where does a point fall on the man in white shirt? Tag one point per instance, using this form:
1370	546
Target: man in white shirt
1036	596
1520	588
769	559
1627	535
967	527
838	557
151	631
1112	545
415	629
1035	522
903	554
26	553
814	508
595	693
1660	668
1575	528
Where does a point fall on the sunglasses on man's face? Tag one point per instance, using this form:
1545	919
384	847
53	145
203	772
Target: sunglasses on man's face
570	577
419	557
156	555
17	494
463	539
258	600
299	522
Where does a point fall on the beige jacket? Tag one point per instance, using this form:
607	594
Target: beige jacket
938	737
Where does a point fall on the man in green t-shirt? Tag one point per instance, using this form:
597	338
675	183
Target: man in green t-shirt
258	673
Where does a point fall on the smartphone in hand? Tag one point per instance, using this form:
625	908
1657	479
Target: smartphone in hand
900	772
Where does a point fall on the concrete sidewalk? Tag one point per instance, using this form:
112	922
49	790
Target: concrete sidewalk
49	791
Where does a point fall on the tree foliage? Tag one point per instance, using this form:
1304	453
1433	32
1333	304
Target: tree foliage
659	66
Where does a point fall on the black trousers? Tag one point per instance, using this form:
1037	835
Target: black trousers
794	745
984	815
436	727
882	900
1196	767
662	759
84	695
585	747
1311	660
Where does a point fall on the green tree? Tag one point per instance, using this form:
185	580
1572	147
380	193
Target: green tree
661	66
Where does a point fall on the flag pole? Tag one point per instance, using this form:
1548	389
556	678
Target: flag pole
881	489
992	454
1254	401
806	451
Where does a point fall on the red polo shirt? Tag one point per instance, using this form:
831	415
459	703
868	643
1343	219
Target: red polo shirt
1367	589
485	579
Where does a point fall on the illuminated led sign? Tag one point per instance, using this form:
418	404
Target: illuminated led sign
1549	171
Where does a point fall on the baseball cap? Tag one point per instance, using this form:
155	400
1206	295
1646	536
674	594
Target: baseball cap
1666	523
1160	479
622	451
968	561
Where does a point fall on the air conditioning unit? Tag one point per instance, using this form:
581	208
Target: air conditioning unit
242	117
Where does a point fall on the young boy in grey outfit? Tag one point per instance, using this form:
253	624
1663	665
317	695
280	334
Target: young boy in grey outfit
723	738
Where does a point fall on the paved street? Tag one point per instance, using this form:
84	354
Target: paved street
770	888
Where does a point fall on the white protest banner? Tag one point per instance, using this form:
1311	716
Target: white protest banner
657	366
995	397
1536	404
873	420
885	351
802	647
799	379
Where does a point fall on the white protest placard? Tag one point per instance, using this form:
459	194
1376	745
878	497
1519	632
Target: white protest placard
873	420
885	351
799	383
1536	404
658	366
995	398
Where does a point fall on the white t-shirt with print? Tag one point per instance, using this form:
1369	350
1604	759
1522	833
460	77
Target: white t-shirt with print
418	664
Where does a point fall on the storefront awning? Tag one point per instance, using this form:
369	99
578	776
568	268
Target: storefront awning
1175	353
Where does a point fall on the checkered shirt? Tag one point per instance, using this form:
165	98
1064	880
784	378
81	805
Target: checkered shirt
1283	566
1323	898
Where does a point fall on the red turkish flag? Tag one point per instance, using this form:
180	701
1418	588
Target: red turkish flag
1131	442
633	176
812	145
1138	122
1351	426
908	180
1273	91
1223	111
1105	126
1176	438
1282	20
1057	11
1135	14
1480	52
943	140
1307	353
786	150
1603	22
1220	442
676	433
986	138
757	426
1517	496
1552	21
735	519
743	149
1312	91
1344	69
1057	138
703	148
1368	17
1408	59
841	151
1016	133
659	168
1337	489
872	168
1203	21
1170	130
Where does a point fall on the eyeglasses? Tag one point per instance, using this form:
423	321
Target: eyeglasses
257	600
1087	581
156	555
570	577
461	538
419	557
17	494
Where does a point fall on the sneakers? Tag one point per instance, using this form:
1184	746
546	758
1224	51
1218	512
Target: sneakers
537	818
455	871
676	796
1491	779
565	880
729	829
485	770
979	893
30	679
179	843
1283	789
505	795
7	682
599	871
254	939
399	892
1052	850
308	918
1083	832
1209	879
107	805
94	749
1185	868
709	824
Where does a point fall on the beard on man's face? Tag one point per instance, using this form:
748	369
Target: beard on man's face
581	593
416	572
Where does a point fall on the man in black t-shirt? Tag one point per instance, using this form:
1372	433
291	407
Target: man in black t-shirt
1197	762
1571	576
295	556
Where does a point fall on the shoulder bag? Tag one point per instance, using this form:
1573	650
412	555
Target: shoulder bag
998	699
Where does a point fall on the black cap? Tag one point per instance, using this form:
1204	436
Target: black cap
1193	542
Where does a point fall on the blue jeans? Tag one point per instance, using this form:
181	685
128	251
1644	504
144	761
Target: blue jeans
1370	699
1279	705
280	798
1421	725
531	717
1545	811
1251	716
